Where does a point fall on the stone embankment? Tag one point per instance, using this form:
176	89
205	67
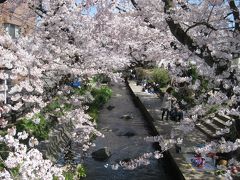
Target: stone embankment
59	140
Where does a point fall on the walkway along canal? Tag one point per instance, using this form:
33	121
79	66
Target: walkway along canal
124	128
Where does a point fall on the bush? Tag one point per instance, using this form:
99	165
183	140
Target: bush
80	91
160	76
101	78
141	73
40	130
68	175
79	173
101	96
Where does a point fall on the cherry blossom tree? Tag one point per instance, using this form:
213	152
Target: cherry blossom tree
62	44
204	35
72	39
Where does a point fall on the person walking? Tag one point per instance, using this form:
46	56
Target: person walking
166	106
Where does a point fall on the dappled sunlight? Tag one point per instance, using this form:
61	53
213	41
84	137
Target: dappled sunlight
117	95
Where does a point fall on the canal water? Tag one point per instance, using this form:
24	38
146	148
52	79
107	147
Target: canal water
124	128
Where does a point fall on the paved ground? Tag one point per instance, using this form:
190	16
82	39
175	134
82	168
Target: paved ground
153	105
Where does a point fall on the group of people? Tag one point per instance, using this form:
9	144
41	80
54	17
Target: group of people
170	107
150	87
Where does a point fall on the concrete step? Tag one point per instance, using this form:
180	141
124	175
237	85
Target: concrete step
235	117
209	133
223	117
219	122
210	125
213	124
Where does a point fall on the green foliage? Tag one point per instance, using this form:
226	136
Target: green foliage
3	132
4	149
213	109
157	75
204	84
80	91
53	105
160	76
193	72
55	178
71	175
15	171
67	107
101	78
68	175
219	172
56	104
80	171
1	166
93	112
101	96
175	94
186	94
40	130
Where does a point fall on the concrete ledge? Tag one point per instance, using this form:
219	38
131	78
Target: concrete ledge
171	167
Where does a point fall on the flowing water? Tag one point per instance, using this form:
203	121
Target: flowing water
124	138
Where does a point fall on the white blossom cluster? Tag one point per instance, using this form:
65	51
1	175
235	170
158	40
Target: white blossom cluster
29	160
197	110
186	125
217	98
83	127
143	160
222	146
164	143
25	73
183	79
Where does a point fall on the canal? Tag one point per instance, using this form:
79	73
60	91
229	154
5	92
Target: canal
124	128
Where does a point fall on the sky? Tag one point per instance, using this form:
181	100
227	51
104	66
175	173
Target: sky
92	9
77	1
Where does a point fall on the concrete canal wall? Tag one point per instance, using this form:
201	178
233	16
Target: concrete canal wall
171	167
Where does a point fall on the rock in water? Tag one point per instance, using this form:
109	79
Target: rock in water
129	134
110	107
127	117
101	154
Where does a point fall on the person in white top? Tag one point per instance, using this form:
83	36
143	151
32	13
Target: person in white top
166	106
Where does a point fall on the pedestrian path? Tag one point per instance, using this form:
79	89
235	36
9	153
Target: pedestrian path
153	105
